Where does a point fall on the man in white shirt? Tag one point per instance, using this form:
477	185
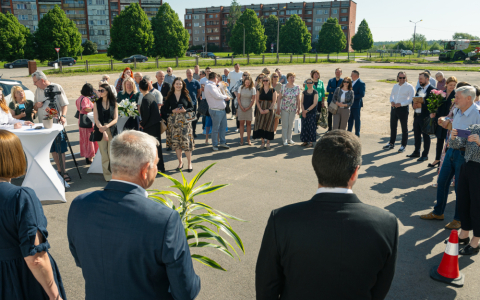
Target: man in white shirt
400	98
234	77
196	74
41	104
216	109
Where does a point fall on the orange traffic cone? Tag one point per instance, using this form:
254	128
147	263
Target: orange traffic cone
448	271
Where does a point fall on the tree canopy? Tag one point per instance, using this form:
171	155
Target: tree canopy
271	29
89	48
170	37
131	33
464	36
13	38
435	46
234	13
331	38
254	34
295	37
363	39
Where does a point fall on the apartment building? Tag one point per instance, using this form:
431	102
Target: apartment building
93	18
210	23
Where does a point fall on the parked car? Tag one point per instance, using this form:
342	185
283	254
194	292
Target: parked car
19	63
66	61
436	51
138	57
7	86
207	55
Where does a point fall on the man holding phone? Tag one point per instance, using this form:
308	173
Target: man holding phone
464	115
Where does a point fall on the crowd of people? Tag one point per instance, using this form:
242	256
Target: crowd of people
132	157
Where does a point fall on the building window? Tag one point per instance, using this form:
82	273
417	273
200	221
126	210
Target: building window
203	38
282	13
210	16
100	2
344	10
334	11
309	28
114	5
267	14
91	22
188	17
34	6
196	17
317	28
309	12
216	15
196	39
224	22
189	31
325	12
344	19
70	12
274	13
308	20
215	29
203	30
318	20
35	17
319	12
196	32
196	24
209	30
21	6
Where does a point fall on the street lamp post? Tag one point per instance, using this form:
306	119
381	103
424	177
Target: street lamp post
243	37
206	41
278	29
415	33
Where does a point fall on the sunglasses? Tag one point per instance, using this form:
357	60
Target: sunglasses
101	90
402	77
346	82
266	80
275	76
245	75
309	82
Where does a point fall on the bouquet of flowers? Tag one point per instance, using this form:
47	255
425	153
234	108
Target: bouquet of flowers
435	100
51	113
127	109
94	98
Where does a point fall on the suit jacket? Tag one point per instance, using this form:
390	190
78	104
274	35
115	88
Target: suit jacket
331	247
359	92
165	88
424	114
149	112
130	247
332	86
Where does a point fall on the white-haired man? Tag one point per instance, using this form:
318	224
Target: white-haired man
170	77
464	115
41	104
106	229
137	77
161	85
106	78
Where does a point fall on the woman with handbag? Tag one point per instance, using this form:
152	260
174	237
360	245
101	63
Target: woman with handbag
266	99
151	120
84	106
342	98
246	100
178	108
105	114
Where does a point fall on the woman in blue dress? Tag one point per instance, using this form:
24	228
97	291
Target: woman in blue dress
27	271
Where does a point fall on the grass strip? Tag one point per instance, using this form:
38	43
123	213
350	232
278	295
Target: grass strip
423	67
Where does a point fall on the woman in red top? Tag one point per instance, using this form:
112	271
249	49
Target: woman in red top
127	73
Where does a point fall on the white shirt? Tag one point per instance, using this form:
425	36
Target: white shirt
342	97
61	100
7	121
424	89
402	94
215	99
334	190
353	83
128	182
234	76
203	81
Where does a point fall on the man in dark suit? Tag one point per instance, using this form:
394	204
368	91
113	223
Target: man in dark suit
331	87
333	246
359	92
161	85
419	117
128	246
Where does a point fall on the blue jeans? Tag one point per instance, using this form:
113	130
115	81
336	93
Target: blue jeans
453	161
219	126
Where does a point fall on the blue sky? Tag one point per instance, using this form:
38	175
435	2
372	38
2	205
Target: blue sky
389	20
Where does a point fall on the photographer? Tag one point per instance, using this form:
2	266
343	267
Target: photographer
42	103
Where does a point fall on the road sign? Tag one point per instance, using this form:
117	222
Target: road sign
57	49
271	45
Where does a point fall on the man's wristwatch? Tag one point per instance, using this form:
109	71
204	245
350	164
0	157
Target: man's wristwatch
63	116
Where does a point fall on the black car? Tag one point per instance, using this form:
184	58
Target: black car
19	63
138	57
66	61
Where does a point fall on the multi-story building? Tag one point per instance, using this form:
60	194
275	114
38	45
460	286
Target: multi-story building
211	23
92	17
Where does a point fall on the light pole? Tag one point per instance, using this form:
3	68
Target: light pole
415	33
243	37
205	48
278	28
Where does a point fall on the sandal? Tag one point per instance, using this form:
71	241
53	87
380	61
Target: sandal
249	143
304	144
66	177
241	143
262	146
267	147
309	145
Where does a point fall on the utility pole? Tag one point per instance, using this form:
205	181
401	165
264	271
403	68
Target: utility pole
415	34
278	28
243	37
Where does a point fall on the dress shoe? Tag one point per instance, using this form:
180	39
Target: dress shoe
423	158
194	136
433	165
432	216
464	241
402	149
180	168
224	146
388	147
469	250
413	155
453	225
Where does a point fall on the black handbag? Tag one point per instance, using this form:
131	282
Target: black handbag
227	108
85	121
203	107
429	126
96	136
77	114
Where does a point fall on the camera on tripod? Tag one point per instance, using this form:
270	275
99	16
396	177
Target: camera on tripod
50	95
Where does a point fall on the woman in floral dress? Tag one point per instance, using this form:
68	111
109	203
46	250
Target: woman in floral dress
289	106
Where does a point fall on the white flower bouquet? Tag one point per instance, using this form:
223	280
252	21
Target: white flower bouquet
127	109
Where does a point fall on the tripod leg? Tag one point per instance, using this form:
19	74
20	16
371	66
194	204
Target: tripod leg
71	151
58	143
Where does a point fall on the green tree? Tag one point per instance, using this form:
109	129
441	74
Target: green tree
404	45
89	48
234	14
30	49
295	37
271	29
363	40
55	30
131	33
464	36
435	46
12	38
170	37
331	38
254	34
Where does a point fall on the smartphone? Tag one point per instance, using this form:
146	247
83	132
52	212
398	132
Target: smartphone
39	127
463	133
180	106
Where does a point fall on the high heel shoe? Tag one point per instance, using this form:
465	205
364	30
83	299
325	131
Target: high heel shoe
464	241
190	170
434	165
180	168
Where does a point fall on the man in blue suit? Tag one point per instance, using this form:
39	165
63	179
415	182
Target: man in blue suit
331	87
128	246
359	93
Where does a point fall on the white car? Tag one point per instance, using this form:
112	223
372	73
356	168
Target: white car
7	86
436	51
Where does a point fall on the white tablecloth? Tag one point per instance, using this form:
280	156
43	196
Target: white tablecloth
41	176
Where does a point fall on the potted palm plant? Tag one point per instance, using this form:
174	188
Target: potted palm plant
203	224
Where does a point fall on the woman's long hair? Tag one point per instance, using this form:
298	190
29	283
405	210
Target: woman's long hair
250	86
14	90
123	73
124	85
110	96
184	89
3	103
